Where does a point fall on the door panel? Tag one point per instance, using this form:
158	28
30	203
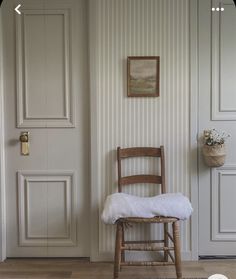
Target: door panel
223	196
43	39
217	103
223	62
46	93
42	221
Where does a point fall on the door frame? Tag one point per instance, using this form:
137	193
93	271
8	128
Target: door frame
194	124
2	157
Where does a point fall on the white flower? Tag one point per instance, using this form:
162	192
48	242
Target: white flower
214	137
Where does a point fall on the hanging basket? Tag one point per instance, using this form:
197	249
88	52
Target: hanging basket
214	155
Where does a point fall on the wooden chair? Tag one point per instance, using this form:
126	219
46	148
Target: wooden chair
121	245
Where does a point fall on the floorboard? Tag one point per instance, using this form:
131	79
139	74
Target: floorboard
83	269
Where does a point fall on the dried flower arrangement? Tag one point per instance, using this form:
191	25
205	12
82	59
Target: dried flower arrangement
214	137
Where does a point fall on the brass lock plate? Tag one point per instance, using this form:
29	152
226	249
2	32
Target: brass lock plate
24	140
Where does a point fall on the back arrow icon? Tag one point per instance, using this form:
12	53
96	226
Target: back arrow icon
17	9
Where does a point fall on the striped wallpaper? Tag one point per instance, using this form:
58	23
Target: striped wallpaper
122	28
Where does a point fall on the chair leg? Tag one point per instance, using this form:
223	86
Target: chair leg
117	258
166	241
123	240
176	237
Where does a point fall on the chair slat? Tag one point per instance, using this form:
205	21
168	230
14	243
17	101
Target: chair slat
145	247
146	263
143	241
140	151
142	178
157	219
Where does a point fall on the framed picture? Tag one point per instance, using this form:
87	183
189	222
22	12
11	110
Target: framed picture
143	76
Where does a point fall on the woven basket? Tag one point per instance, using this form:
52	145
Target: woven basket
214	156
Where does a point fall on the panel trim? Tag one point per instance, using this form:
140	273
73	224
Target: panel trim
68	177
194	126
2	157
94	217
218	113
23	117
26	198
217	233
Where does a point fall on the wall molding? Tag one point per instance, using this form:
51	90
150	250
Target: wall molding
218	232
25	181
94	162
24	119
2	157
218	111
194	125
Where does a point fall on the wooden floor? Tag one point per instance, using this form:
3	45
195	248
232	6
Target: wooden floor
83	269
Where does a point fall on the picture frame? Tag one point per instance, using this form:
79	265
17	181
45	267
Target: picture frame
143	77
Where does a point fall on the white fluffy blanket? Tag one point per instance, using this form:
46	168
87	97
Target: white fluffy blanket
120	205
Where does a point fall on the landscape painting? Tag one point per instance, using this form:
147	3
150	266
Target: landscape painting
143	76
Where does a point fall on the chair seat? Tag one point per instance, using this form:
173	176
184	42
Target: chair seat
156	219
122	205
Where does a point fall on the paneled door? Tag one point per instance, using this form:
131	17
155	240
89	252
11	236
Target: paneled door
46	94
217	109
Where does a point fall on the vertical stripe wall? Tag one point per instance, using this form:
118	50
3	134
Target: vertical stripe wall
121	28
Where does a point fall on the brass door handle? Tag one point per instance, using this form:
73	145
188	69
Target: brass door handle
24	139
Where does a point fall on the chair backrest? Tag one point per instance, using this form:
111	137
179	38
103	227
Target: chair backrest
123	153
